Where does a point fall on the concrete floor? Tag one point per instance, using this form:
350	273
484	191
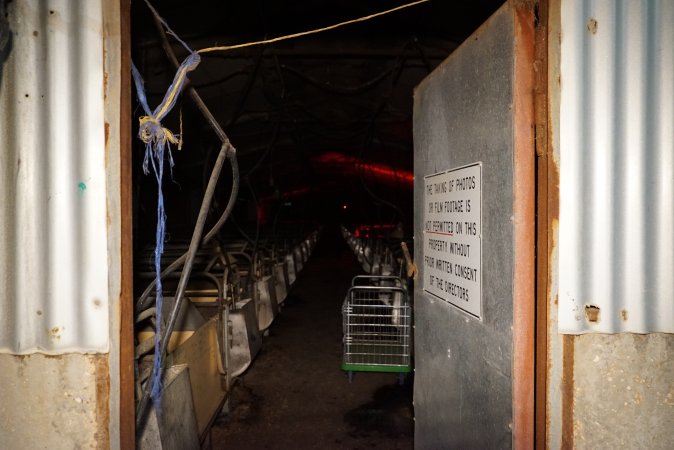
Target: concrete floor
295	396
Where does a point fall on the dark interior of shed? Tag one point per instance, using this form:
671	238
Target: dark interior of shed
322	127
322	124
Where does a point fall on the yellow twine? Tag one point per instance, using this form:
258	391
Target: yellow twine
177	84
148	124
305	33
180	142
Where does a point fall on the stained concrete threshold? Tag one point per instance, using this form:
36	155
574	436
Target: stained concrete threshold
295	396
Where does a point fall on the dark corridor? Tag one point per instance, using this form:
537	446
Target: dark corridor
295	396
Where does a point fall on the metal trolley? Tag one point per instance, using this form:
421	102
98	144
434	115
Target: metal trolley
377	322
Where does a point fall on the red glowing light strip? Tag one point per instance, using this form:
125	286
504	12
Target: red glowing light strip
382	170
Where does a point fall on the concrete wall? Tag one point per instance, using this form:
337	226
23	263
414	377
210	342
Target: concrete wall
623	393
56	402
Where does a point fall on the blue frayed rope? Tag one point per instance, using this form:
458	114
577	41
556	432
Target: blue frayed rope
157	140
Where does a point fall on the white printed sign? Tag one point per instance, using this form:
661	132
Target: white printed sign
453	236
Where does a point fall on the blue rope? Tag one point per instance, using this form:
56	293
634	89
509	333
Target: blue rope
157	140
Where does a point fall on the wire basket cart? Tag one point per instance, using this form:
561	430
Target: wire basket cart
377	325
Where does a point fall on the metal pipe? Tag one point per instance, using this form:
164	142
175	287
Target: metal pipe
231	154
184	276
191	91
226	151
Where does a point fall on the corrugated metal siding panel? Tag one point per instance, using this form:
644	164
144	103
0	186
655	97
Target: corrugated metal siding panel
53	225
616	234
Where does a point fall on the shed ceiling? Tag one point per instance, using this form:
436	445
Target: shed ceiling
288	106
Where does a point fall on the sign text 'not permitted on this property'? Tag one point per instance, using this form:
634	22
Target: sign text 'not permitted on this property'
452	237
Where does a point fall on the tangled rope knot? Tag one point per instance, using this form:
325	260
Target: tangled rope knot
151	132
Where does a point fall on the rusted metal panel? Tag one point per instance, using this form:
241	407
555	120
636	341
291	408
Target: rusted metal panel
524	229
54	261
117	36
543	145
558	377
117	73
616	236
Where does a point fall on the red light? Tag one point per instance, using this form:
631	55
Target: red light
378	230
352	165
345	206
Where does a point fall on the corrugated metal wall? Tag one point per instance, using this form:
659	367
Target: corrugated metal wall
53	222
616	233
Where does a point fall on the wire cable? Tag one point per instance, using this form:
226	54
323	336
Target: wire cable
306	33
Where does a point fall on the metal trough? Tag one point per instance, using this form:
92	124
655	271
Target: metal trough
176	427
299	259
246	340
265	302
281	285
292	273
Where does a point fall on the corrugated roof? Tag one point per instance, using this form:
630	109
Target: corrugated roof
53	226
616	235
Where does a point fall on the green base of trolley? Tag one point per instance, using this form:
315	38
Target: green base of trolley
366	368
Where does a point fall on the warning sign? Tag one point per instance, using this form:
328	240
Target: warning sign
452	237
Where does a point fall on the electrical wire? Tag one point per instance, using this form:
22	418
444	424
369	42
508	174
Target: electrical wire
306	33
249	86
341	90
369	138
241	231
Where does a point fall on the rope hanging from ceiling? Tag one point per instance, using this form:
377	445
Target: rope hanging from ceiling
158	140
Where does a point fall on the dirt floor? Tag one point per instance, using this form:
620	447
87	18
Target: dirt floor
295	396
